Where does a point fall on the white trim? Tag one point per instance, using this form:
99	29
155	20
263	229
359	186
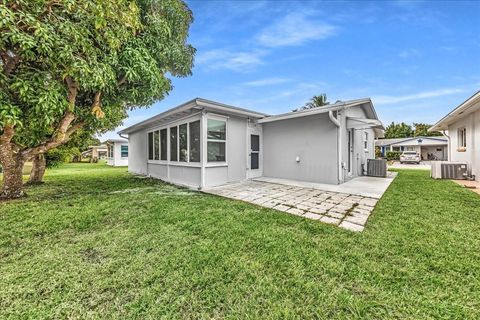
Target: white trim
325	109
203	148
216	164
222	119
457	113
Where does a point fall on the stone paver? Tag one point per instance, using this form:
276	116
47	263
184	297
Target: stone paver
347	211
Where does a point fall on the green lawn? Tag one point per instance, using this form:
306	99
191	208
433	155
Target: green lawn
94	242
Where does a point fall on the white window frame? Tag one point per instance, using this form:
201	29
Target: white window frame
217	118
173	124
128	150
365	141
462	138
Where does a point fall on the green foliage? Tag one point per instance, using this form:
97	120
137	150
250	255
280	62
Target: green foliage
55	157
421	129
378	152
121	49
315	102
393	155
400	130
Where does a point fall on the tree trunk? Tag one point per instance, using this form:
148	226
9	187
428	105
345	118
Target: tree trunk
38	169
12	184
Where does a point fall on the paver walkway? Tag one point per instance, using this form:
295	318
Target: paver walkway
345	210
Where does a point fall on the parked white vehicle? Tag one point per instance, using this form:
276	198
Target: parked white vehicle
410	157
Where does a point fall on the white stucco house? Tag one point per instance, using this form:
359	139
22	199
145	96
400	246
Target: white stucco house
429	148
117	152
462	128
203	143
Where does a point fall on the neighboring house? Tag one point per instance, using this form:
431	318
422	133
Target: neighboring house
203	143
462	127
430	148
117	155
96	152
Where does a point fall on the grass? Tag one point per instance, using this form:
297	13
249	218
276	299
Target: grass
96	242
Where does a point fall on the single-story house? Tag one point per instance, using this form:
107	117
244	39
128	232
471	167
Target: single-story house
462	128
96	152
203	143
429	148
117	155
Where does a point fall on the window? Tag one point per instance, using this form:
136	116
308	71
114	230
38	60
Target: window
183	141
124	151
173	144
150	146
462	138
216	140
110	151
365	141
183	133
194	141
156	145
163	144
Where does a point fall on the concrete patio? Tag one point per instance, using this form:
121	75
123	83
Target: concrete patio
348	205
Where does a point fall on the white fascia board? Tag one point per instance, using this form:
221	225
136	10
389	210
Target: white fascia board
319	110
457	113
188	105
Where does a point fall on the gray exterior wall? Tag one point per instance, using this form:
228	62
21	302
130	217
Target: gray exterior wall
312	138
137	152
237	149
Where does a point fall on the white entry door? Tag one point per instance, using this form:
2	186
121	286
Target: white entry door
254	151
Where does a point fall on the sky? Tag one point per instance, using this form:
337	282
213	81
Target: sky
416	60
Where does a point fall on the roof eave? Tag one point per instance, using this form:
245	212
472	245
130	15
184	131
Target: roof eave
456	113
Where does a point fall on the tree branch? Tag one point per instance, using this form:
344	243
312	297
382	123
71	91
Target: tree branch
52	143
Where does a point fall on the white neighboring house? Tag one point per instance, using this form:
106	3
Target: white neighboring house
429	148
117	154
462	128
203	143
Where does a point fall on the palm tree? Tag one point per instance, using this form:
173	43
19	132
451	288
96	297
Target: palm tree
317	101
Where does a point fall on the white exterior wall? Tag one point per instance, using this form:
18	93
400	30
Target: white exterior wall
137	153
190	173
472	153
360	153
117	160
235	167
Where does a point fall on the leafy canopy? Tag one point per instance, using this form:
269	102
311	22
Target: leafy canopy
403	130
94	59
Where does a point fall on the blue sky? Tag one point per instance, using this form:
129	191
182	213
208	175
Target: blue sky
415	59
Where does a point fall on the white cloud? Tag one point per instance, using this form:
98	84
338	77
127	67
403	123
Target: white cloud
295	29
409	53
266	82
417	96
225	59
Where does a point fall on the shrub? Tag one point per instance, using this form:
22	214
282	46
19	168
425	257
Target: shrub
393	155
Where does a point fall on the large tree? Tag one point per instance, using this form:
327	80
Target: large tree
421	129
73	64
398	130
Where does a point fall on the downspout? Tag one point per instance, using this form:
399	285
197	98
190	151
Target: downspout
339	145
123	136
449	145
